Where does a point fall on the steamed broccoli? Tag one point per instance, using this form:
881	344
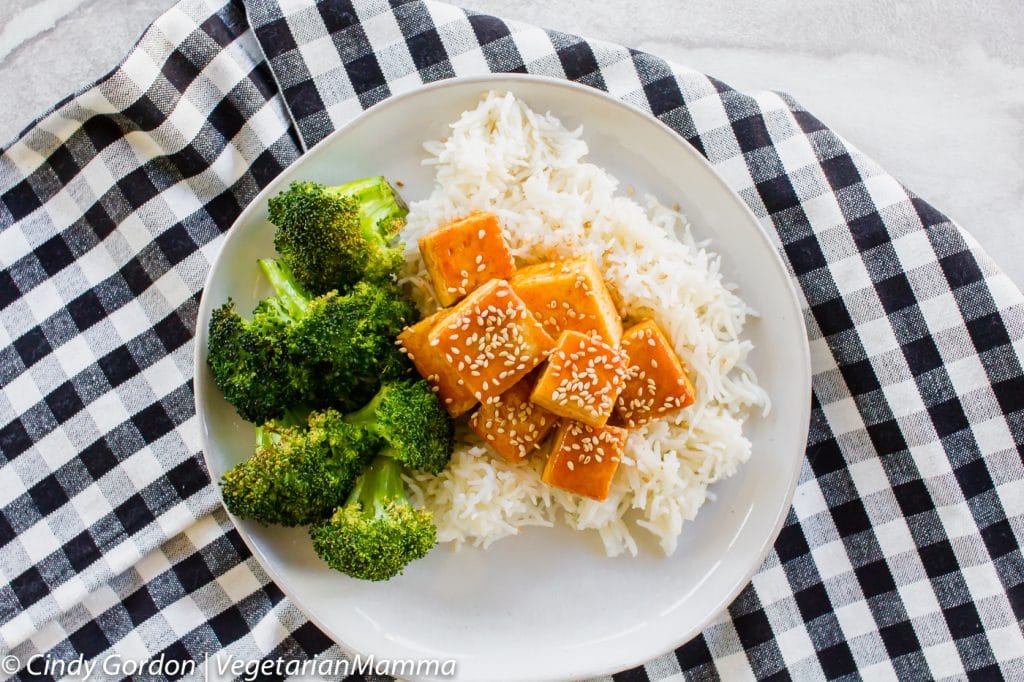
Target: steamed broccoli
376	533
410	419
251	362
346	342
300	471
327	351
334	237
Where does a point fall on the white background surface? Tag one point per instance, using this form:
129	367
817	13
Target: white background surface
932	89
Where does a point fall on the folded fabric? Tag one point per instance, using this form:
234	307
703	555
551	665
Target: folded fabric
901	554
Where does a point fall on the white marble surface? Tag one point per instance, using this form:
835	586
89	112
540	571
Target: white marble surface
932	89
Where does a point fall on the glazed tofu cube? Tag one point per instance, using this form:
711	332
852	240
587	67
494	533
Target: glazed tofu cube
656	384
584	459
513	426
582	380
570	295
491	340
431	365
464	254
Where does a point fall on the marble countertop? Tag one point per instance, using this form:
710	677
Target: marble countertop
934	91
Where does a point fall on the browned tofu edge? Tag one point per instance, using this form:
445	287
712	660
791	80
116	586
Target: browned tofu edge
491	260
543	392
506	444
675	375
415	342
599	485
545	274
485	388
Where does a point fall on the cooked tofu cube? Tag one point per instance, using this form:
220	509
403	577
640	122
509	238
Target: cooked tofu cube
491	340
570	295
431	365
656	384
584	459
463	254
513	426
582	380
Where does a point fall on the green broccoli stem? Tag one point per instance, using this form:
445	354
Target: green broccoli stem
268	436
377	201
379	485
362	189
292	296
366	416
374	215
264	437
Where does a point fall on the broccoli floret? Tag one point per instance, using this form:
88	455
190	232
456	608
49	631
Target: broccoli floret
377	532
326	351
334	237
299	472
345	342
410	419
349	344
251	362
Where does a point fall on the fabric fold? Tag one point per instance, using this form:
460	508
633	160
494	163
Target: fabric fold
113	207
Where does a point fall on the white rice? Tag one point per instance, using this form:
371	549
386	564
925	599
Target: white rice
529	170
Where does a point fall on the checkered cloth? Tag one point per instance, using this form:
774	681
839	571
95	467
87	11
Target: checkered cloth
900	558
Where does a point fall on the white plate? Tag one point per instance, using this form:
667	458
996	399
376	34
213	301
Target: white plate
546	604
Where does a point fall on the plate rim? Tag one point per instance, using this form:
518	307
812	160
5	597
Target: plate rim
491	81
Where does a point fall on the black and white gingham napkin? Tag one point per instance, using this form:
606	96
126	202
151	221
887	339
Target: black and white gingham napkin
901	556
